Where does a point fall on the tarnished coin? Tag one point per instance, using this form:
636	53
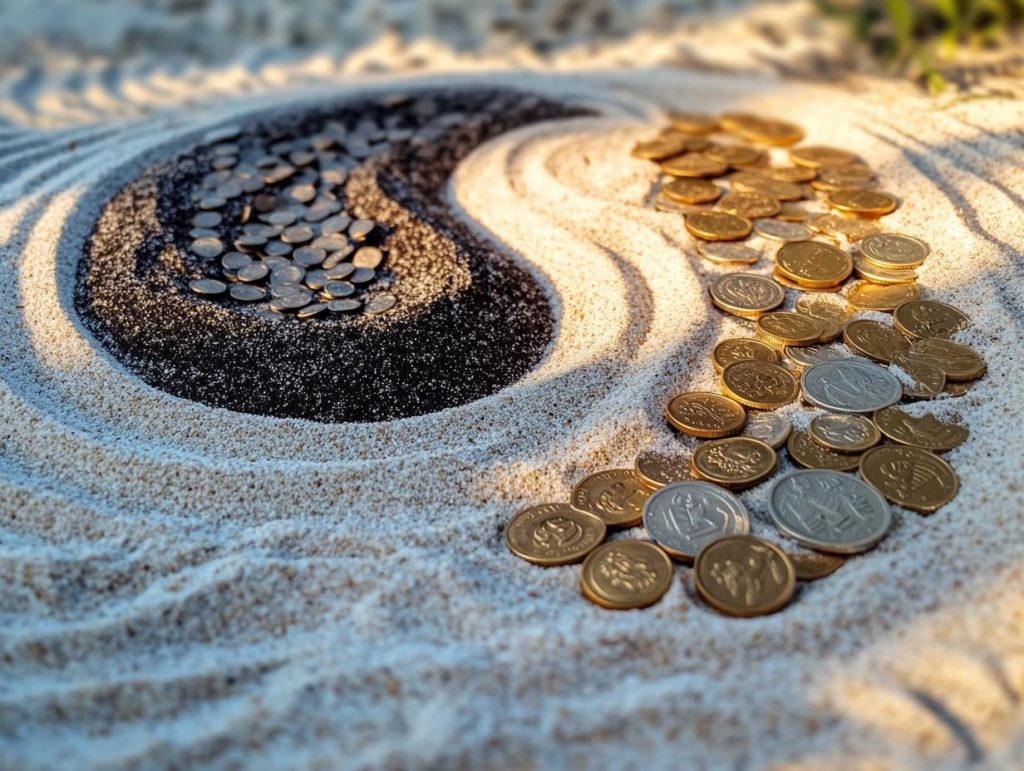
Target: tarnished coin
813	264
657	469
705	415
722	252
694	165
877	275
920	380
910	477
683	517
254	271
750	206
818	157
866	295
741	349
783	328
850	385
207	247
811	567
770	427
744	576
247	293
737	463
961	363
718	226
554	534
208	286
311	310
844	433
692	191
777	230
873	340
617	496
805	452
381	303
800	358
926	432
746	295
620	575
829	511
893	251
918	319
765	131
862	203
759	384
344	306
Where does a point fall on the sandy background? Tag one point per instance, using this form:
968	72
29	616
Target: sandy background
183	585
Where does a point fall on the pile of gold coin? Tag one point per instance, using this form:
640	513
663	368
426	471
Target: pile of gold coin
733	177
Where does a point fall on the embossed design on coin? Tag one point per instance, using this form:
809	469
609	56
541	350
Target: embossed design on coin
741	349
804	451
770	427
844	433
626	574
683	517
910	477
920	380
759	384
873	340
881	297
850	385
829	511
961	363
802	357
692	191
742	575
819	156
918	319
728	252
737	463
778	230
705	415
862	203
746	295
750	206
554	534
718	226
781	328
926	432
657	469
894	251
813	264
617	496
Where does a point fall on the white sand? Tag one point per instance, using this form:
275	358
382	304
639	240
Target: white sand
184	584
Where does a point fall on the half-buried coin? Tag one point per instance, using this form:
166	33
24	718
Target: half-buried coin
621	575
554	534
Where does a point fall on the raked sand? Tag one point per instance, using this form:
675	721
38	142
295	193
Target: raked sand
185	585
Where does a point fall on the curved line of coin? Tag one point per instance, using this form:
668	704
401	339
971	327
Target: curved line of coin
688	507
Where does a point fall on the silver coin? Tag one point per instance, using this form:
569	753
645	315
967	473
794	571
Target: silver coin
298	234
339	271
247	293
770	427
319	211
225	148
289	274
316	279
337	224
362	276
381	303
311	310
229	190
799	358
255	271
235	261
360	229
368	257
683	517
277	249
207	219
276	262
261	230
207	286
334	177
197	233
727	252
211	202
266	312
339	289
302	193
294	300
331	243
850	385
213	136
301	157
207	247
249	243
280	290
281	217
279	174
308	256
251	184
829	511
778	230
343	306
224	163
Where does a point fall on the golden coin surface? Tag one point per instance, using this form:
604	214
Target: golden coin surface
813	263
742	575
862	203
867	296
926	432
692	191
844	177
718	226
893	251
620	575
657	469
741	349
659	148
749	205
811	567
782	328
877	275
736	463
873	340
832	315
844	433
735	155
961	363
910	477
756	182
795	174
765	131
791	213
728	252
922	381
817	156
694	165
617	496
705	415
836	227
746	295
693	123
554	534
786	282
759	384
805	452
918	319
799	358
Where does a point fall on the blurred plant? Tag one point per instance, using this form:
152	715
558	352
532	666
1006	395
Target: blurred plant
921	34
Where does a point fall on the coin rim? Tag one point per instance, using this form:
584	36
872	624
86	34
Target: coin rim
923	509
743	514
780	603
717	433
597	598
543	562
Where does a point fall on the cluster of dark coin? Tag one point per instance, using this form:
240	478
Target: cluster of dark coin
687	502
294	248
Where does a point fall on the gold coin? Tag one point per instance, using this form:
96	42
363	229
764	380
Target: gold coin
844	177
926	432
742	575
617	496
735	155
877	275
893	251
805	452
918	319
961	363
620	575
693	123
706	415
862	203
844	433
796	174
746	295
726	252
759	384
791	213
659	148
834	226
718	226
786	282
765	131
750	206
665	204
813	263
692	191
737	463
873	340
811	567
741	349
657	469
782	328
926	381
554	534
804	357
867	296
818	157
830	315
910	477
694	165
691	144
755	182
957	389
